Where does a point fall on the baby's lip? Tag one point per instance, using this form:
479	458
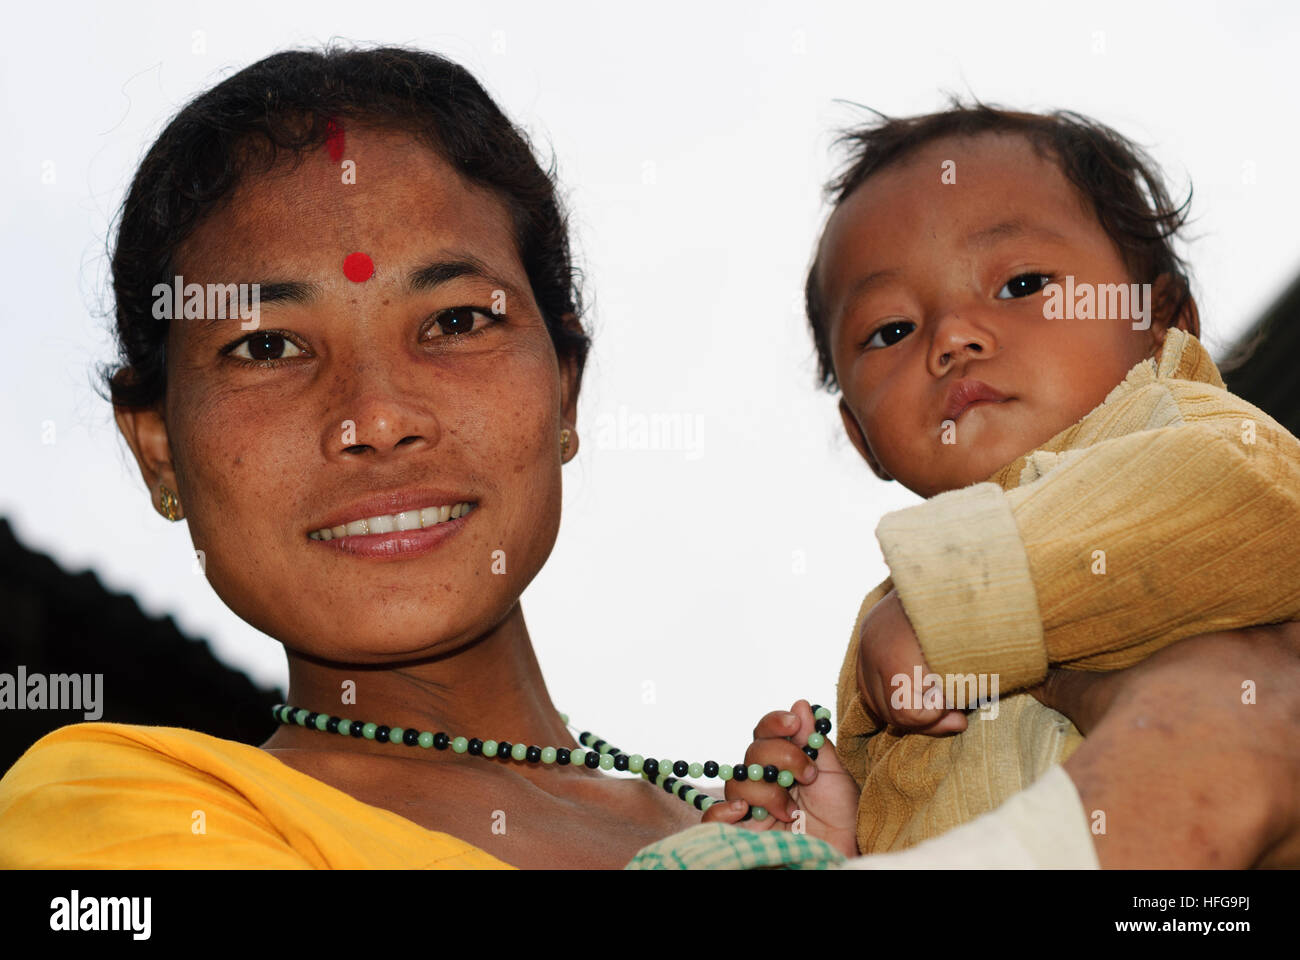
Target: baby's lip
967	391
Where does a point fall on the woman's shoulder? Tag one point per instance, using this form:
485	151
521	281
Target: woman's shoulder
106	795
122	750
112	795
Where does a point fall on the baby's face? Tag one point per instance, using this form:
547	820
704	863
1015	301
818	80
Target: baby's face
927	283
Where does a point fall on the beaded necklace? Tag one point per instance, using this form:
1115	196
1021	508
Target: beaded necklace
594	754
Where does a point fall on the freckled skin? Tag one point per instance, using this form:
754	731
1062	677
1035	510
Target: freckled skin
258	458
905	219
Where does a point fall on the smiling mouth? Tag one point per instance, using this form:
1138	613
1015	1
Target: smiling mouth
395	522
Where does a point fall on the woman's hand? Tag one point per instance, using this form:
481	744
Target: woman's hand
1192	757
822	802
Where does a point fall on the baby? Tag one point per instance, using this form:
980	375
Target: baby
997	297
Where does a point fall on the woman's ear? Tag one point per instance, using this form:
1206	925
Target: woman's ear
570	382
859	439
146	434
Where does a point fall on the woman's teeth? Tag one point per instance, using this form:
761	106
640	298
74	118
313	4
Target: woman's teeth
391	522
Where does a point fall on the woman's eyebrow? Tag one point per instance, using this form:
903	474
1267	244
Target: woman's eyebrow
432	275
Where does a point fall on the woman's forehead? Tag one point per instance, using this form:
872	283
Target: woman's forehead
387	195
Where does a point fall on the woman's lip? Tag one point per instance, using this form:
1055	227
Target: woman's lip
400	544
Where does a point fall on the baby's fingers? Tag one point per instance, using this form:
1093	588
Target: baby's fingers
725	811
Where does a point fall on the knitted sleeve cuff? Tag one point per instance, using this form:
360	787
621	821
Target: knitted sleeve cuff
961	571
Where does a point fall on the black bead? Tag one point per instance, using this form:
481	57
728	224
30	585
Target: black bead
411	737
355	729
593	760
770	773
699	801
311	720
650	768
749	814
681	768
822	725
738	773
620	762
534	755
597	744
669	783
710	768
811	751
332	724
562	756
503	750
475	748
381	733
584	737
441	741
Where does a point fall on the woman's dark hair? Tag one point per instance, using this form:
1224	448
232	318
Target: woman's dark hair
285	103
1120	180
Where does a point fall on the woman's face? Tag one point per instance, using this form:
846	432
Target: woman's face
373	386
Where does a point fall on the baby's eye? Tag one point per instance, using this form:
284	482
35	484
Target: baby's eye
878	339
1024	285
264	345
459	320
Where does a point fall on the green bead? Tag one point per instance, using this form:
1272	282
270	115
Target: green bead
395	735
635	763
666	766
607	761
460	744
490	748
576	756
368	731
754	771
707	802
760	813
426	739
696	770
785	778
822	714
300	717
519	751
565	718
321	721
689	795
816	740
548	754
345	727
725	772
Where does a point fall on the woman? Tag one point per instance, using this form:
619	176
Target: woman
368	455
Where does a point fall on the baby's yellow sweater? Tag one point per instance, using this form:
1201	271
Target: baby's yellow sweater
1171	510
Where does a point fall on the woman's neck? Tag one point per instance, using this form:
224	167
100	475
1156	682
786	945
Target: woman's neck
490	688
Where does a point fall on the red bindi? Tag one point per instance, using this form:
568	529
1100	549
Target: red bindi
334	139
357	267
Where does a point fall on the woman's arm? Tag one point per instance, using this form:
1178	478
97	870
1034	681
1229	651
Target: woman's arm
1193	756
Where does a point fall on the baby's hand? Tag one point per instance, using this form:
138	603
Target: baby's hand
889	649
822	801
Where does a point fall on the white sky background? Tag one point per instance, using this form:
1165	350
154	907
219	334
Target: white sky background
692	142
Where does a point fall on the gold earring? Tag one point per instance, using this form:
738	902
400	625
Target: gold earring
564	442
169	503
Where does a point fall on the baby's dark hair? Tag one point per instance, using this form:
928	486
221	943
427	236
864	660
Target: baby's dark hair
1121	181
284	105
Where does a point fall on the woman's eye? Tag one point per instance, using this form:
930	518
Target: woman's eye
459	320
880	339
1024	285
265	346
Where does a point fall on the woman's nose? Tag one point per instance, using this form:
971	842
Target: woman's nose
378	414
